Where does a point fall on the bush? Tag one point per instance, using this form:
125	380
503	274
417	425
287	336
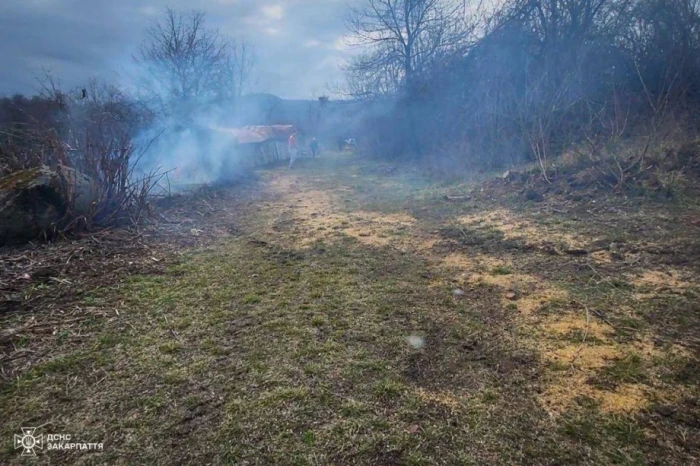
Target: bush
92	135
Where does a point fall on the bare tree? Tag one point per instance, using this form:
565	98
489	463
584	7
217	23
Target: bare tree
236	70
404	39
185	61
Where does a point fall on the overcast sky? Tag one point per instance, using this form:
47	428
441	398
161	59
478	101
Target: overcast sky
299	43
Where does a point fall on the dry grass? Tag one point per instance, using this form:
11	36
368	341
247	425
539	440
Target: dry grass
315	322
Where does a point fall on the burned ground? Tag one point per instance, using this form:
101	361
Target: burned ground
340	314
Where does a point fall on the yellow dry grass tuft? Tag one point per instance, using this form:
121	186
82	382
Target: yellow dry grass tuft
560	397
514	226
441	398
582	360
670	279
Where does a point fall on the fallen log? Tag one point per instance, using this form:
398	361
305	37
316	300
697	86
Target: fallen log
456	198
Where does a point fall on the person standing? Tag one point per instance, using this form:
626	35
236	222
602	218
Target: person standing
292	146
314	147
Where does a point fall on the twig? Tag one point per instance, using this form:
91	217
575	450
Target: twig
172	331
583	341
595	272
602	278
208	205
63	271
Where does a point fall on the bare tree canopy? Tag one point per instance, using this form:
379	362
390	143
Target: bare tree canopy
185	60
403	39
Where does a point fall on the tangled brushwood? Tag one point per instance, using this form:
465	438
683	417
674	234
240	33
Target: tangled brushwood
473	84
69	163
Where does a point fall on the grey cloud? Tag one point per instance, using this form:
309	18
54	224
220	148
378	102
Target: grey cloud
80	39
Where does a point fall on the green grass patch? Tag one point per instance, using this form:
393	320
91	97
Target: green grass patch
501	270
629	369
251	298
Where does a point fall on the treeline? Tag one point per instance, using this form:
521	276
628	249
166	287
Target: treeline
611	80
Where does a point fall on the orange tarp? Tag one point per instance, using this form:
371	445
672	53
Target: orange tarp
258	134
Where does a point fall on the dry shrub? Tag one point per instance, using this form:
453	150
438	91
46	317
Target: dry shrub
26	147
93	138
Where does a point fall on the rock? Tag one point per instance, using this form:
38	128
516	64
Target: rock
511	296
38	200
85	192
458	292
506	175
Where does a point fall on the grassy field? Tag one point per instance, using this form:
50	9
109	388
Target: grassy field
340	313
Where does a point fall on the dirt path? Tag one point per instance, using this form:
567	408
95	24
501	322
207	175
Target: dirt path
336	315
